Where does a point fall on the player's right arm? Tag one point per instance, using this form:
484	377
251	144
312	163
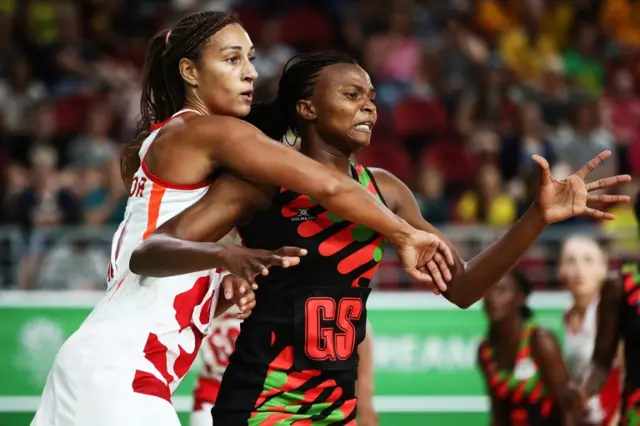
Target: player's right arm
249	153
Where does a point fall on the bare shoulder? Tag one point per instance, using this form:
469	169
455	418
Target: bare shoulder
544	343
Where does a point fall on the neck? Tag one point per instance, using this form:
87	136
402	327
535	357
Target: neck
582	303
194	102
314	147
508	330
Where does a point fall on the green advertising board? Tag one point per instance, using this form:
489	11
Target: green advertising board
425	349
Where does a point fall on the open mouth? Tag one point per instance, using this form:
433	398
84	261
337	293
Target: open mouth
247	95
364	126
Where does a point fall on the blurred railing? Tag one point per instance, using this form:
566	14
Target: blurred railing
22	256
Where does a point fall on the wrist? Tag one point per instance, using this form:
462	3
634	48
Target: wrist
536	215
218	253
402	234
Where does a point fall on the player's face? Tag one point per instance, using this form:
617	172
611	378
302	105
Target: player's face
225	72
582	267
344	108
503	300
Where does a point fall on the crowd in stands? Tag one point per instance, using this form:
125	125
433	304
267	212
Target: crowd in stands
467	91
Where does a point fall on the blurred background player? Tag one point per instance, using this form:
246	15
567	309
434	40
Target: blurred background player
583	270
522	364
618	321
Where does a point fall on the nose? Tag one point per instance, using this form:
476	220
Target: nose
250	73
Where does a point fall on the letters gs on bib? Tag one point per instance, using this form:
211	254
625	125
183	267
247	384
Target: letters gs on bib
330	323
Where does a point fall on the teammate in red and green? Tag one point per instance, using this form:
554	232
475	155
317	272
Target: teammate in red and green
619	320
522	363
295	359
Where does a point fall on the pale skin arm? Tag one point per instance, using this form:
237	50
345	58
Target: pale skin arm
242	148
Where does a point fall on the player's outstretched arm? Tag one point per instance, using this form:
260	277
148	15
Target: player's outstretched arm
249	153
557	201
186	243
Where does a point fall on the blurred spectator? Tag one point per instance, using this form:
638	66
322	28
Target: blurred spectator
517	150
578	144
581	63
496	16
488	203
361	19
431	196
525	47
45	204
19	92
271	56
620	19
487	103
73	266
393	57
557	19
41	132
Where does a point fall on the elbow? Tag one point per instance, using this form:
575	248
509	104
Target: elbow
138	262
331	188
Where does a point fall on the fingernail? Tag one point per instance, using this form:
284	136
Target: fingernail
243	290
228	296
285	264
243	300
303	252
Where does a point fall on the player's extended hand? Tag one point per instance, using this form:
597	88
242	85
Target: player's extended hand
248	263
562	199
427	258
239	291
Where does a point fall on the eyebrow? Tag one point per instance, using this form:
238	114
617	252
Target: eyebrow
235	48
362	89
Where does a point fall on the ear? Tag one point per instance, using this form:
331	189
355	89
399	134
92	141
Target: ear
188	72
306	110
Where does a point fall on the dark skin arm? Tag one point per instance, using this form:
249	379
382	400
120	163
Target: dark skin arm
498	410
471	280
547	354
557	200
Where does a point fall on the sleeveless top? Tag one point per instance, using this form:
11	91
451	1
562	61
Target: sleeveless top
579	346
149	329
299	346
522	391
630	332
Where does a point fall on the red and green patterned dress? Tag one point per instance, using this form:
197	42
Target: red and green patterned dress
630	333
521	391
296	359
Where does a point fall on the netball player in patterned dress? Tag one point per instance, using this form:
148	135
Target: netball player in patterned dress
619	320
521	362
131	353
295	358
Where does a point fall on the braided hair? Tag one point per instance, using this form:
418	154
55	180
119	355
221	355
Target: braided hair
298	81
163	92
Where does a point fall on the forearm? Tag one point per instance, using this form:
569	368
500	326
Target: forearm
162	255
471	283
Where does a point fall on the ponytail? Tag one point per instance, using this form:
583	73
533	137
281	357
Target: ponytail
153	106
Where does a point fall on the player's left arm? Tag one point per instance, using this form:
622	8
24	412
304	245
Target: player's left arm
367	415
554	374
471	280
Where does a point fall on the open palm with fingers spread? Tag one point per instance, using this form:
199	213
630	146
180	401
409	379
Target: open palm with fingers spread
562	199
